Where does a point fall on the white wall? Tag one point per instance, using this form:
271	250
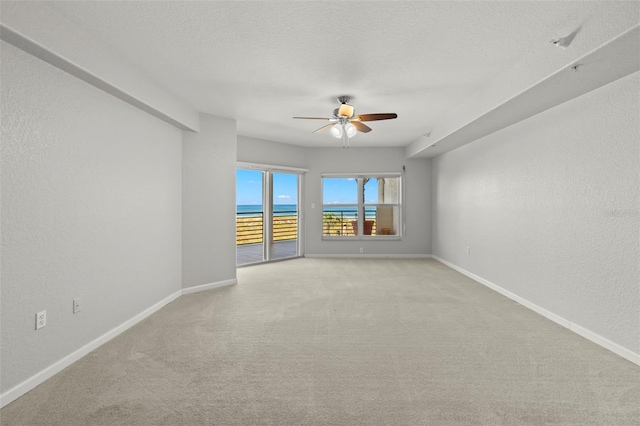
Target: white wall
606	21
63	43
91	201
208	203
549	208
417	238
251	150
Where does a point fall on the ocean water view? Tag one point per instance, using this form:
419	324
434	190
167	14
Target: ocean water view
254	210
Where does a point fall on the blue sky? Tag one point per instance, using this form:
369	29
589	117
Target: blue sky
345	191
285	189
339	191
249	187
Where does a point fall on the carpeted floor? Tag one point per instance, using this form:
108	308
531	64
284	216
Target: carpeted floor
341	342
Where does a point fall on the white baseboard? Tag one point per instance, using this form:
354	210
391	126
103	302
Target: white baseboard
369	256
587	334
199	288
606	343
24	387
38	378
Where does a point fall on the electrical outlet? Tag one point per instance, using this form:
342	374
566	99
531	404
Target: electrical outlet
77	305
41	320
361	249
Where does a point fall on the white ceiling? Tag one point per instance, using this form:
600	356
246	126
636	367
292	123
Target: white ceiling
262	63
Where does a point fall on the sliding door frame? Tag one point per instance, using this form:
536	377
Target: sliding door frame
267	204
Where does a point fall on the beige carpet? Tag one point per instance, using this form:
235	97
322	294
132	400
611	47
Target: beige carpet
341	342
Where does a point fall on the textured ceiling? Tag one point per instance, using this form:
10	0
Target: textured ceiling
263	62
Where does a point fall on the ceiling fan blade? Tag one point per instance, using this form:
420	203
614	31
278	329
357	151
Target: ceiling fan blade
361	127
312	118
376	117
323	128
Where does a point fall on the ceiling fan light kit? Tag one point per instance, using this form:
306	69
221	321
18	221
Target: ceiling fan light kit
336	130
350	129
347	125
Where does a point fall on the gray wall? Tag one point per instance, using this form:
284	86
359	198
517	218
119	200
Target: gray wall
549	208
417	238
208	202
91	201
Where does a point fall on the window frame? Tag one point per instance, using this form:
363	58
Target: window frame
361	205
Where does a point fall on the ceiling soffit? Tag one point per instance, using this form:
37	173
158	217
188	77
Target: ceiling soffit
444	67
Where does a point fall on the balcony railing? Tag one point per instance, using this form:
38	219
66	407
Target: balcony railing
249	227
285	225
336	222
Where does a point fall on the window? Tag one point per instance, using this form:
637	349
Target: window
361	206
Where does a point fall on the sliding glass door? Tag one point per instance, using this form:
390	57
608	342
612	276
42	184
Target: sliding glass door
249	216
267	215
284	232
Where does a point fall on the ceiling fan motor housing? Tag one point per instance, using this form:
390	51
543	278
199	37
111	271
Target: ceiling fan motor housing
345	110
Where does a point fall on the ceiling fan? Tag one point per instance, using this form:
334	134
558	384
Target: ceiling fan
345	124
